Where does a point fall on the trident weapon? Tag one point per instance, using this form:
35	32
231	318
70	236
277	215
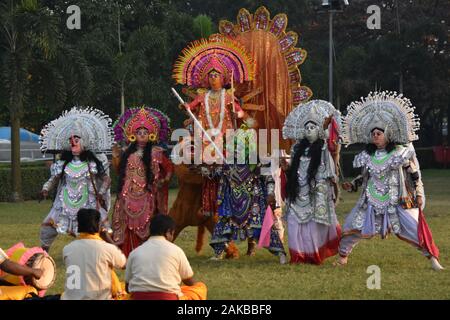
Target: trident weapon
198	124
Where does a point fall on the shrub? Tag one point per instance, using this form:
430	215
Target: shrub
33	177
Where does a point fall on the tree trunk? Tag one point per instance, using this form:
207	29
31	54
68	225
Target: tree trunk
16	175
448	126
122	98
122	85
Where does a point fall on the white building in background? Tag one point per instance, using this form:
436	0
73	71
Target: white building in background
29	146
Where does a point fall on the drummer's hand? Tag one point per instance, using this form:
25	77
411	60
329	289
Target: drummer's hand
37	273
106	236
347	186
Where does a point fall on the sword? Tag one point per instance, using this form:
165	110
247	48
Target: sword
232	100
198	124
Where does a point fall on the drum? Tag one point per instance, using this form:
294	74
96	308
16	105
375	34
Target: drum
34	258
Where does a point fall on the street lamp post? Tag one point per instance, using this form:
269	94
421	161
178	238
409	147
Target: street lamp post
330	59
332	6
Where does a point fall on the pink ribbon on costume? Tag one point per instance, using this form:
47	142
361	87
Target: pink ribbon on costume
264	238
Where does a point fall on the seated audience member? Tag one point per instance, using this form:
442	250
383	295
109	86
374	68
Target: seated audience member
156	269
90	262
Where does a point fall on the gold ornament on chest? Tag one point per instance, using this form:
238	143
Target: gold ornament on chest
209	106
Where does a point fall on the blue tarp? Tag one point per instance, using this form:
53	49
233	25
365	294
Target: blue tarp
25	135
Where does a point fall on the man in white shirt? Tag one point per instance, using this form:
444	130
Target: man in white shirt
156	269
90	261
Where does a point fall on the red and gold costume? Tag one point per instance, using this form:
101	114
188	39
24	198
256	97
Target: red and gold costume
216	107
138	201
213	99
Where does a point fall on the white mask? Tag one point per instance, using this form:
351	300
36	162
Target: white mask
311	132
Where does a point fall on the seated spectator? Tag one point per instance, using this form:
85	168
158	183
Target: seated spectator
90	262
156	269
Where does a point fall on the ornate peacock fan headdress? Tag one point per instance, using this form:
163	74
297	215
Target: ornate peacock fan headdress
218	53
91	125
155	121
385	110
258	28
312	111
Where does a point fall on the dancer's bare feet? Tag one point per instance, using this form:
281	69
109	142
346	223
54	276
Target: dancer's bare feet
283	258
217	257
436	265
341	261
251	249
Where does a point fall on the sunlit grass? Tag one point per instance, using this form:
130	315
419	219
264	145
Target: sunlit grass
405	273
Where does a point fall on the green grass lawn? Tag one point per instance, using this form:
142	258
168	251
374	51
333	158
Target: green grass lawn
405	273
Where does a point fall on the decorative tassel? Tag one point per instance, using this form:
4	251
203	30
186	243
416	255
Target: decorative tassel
200	238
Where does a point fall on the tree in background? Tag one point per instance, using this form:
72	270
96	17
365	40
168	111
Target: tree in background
203	26
28	35
47	68
40	72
